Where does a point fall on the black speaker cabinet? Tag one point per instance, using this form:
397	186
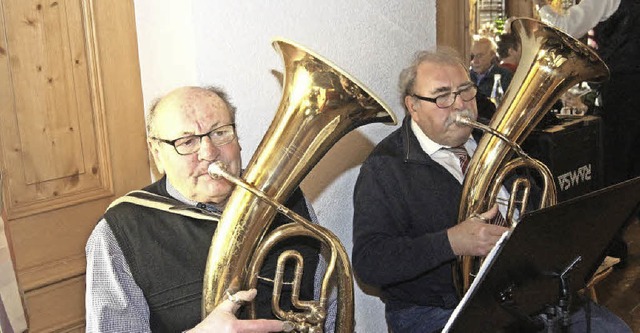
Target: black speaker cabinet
572	150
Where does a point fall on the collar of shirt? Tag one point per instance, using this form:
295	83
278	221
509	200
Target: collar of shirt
482	76
443	157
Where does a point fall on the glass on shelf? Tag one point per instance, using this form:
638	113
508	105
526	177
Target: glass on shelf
572	100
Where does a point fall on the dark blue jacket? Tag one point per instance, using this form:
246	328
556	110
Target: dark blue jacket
403	204
486	84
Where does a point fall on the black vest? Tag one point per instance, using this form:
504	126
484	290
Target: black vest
618	38
167	255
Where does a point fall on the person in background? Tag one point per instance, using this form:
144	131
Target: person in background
406	201
484	72
616	36
484	66
146	257
509	51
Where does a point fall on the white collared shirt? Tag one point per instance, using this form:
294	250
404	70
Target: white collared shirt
450	161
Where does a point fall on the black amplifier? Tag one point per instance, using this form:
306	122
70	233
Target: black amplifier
572	150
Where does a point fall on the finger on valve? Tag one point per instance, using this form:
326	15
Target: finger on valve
222	318
488	215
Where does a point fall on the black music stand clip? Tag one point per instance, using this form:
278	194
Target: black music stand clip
528	281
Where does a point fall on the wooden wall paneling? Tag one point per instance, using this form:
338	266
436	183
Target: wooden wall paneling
454	25
519	8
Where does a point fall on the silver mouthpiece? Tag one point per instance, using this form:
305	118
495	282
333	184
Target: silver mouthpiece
217	169
461	120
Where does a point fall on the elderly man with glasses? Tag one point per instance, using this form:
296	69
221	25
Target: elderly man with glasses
407	195
146	257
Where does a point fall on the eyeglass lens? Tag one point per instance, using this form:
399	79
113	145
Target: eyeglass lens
447	100
218	136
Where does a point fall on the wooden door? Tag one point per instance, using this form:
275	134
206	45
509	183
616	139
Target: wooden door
455	25
71	139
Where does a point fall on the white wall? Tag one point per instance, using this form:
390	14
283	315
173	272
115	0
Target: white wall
227	43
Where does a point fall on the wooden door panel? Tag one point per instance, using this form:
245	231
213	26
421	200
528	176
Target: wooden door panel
50	247
72	139
59	307
55	147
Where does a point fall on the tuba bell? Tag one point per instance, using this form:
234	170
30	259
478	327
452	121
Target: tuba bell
319	105
551	63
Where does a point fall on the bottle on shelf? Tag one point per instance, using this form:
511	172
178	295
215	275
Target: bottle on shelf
496	92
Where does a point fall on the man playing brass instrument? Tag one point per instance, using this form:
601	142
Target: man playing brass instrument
407	197
146	257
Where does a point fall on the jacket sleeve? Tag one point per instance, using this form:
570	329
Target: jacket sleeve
387	250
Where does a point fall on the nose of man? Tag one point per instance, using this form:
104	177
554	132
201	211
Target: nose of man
208	151
458	103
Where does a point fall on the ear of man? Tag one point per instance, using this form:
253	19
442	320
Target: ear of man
154	150
409	103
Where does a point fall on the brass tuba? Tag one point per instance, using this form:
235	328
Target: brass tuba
319	105
551	63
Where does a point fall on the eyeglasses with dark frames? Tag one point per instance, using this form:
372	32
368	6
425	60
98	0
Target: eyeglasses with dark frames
444	101
190	144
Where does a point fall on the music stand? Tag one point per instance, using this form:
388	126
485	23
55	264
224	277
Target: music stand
522	279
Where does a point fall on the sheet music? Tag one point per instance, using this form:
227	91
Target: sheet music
483	270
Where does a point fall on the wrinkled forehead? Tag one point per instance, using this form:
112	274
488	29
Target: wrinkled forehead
434	76
481	47
190	110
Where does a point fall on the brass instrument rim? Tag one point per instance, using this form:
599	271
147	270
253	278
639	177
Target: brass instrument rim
276	41
575	44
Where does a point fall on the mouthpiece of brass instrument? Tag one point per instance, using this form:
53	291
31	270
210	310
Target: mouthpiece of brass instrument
460	119
217	169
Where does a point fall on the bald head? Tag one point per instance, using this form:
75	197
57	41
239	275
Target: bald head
182	99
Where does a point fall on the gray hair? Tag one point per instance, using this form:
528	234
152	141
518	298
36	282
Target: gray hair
407	79
151	115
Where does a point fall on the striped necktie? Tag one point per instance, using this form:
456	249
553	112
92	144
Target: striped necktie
462	156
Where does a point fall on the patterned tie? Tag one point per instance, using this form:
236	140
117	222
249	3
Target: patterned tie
462	156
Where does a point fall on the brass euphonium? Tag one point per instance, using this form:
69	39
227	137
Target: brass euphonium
319	105
551	63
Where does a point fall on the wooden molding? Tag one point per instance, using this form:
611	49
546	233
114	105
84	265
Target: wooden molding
57	308
51	273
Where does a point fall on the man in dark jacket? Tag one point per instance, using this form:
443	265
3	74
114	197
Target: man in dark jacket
407	197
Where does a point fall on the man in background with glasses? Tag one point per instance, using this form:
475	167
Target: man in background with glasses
407	196
484	66
146	257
